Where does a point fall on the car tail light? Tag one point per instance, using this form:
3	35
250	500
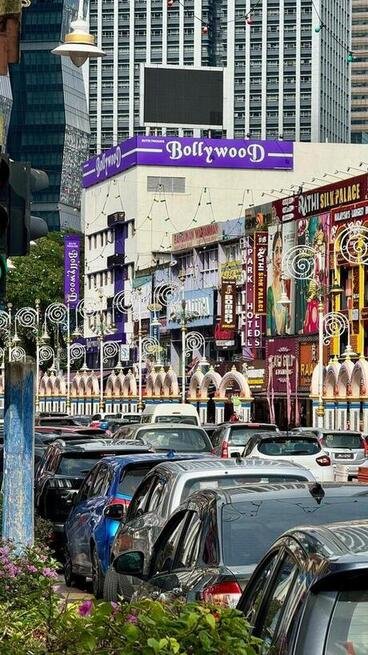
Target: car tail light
224	450
119	501
365	443
222	593
323	460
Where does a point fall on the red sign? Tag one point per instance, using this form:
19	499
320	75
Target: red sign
228	306
351	214
252	321
260	270
322	199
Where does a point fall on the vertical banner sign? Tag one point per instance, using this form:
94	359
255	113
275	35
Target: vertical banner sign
228	306
253	326
71	269
260	269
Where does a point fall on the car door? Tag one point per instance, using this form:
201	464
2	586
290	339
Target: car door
74	526
162	580
95	525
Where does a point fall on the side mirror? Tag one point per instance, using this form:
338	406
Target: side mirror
117	512
130	563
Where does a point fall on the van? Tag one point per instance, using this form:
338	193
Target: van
170	413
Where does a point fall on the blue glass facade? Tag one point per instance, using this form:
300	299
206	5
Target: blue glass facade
49	124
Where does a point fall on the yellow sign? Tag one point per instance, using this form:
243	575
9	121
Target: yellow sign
232	271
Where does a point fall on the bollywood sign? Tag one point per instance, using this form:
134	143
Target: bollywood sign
187	151
322	199
71	269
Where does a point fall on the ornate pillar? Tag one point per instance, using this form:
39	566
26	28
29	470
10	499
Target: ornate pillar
354	415
341	415
330	409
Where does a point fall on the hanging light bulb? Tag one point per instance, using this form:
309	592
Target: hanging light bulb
249	20
318	28
350	58
204	29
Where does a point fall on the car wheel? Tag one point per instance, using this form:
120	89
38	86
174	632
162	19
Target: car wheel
97	575
112	588
71	578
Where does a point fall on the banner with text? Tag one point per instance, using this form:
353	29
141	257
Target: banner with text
252	321
228	306
71	269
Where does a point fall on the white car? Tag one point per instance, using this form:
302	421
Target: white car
302	448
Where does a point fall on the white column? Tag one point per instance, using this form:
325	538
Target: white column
197	33
115	76
354	416
131	67
99	77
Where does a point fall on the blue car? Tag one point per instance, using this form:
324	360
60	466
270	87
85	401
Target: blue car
98	508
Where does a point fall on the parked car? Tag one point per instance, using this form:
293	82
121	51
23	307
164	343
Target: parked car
57	420
229	439
61	472
169	484
345	447
98	508
303	448
79	430
115	423
210	546
170	413
102	419
210	429
82	419
168	436
309	593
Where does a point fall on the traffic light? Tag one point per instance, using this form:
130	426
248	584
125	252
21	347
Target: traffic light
23	227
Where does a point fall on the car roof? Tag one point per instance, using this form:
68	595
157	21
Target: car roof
325	431
165	426
285	435
247	425
151	457
103	445
250	465
259	492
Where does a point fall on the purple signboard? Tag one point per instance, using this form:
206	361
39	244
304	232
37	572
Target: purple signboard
187	151
71	269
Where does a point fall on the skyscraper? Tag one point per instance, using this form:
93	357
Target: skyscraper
287	61
49	123
359	73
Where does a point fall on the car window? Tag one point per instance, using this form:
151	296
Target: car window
166	547
124	433
139	501
341	440
189	420
77	464
159	488
86	486
289	447
226	481
239	435
179	439
251	526
187	552
130	479
277	597
216	437
349	625
255	593
99	484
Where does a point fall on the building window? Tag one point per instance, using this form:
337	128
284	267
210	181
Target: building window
232	252
208	266
165	184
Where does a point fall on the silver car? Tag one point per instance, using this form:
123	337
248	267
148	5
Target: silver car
345	447
230	439
167	486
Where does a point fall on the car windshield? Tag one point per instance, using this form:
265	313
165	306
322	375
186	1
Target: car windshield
342	440
77	464
289	447
349	624
225	481
131	477
189	420
187	440
240	435
250	527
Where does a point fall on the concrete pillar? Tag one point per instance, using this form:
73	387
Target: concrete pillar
220	410
365	416
330	409
354	415
341	415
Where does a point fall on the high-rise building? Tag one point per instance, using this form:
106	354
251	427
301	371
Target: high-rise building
359	73
49	123
286	59
6	102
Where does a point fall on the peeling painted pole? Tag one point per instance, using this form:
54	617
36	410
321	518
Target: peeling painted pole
18	502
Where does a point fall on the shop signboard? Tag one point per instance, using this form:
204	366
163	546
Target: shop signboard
260	272
188	152
322	199
228	306
197	236
71	269
232	271
253	328
199	303
281	358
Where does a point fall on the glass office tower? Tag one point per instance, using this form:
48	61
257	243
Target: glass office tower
49	124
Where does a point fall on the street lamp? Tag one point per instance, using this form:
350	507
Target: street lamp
79	45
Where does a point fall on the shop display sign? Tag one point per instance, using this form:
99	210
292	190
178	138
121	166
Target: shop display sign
260	270
199	303
281	359
228	306
231	271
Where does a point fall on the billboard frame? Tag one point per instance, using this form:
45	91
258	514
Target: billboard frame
186	126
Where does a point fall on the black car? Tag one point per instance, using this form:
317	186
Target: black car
62	470
309	594
210	546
